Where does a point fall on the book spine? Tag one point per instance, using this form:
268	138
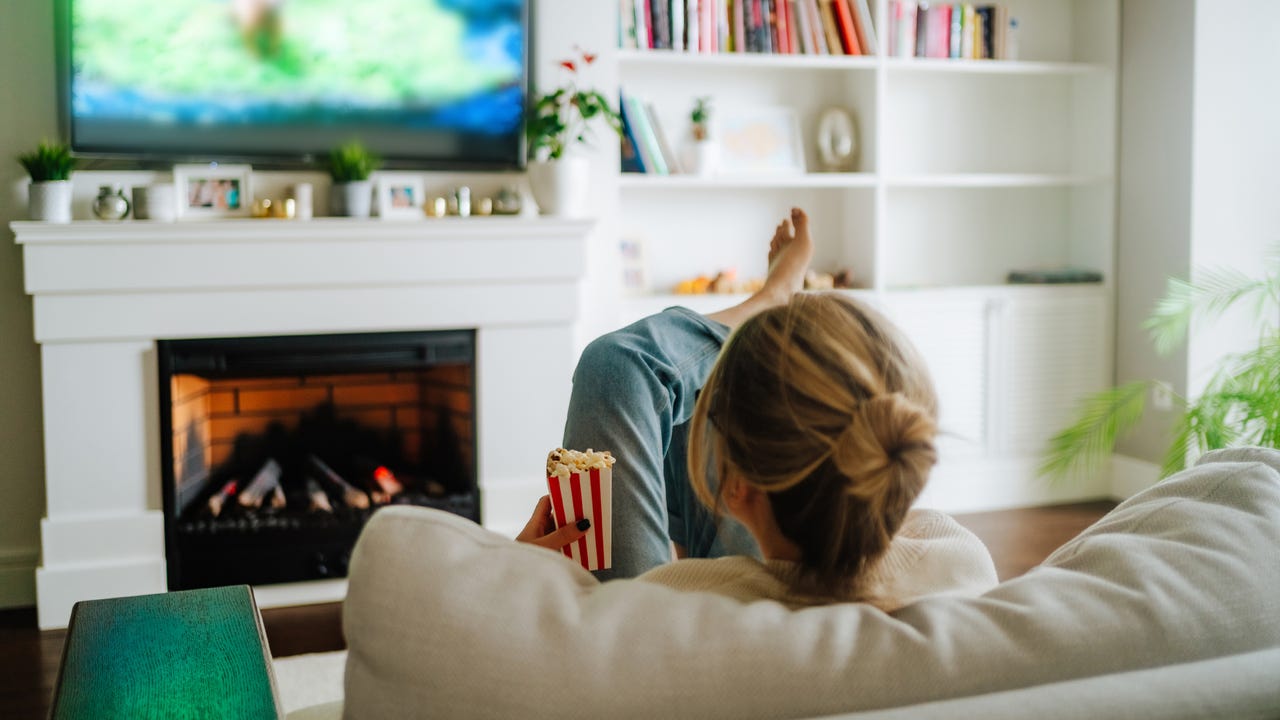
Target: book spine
921	44
769	31
944	32
793	28
675	10
848	34
906	41
957	31
783	46
829	28
986	17
692	25
866	27
739	25
966	36
627	24
648	144
664	147
633	159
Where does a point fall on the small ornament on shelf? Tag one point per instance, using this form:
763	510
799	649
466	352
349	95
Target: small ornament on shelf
702	154
111	203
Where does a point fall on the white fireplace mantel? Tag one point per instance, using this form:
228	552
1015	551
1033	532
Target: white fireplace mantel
104	292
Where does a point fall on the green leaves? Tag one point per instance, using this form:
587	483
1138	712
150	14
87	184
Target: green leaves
1239	405
48	162
564	116
1104	417
351	163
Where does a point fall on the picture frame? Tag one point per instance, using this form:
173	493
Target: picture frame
634	265
213	191
400	197
762	140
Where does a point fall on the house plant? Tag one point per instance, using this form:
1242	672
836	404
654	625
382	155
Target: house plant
557	123
49	166
350	166
702	154
1240	404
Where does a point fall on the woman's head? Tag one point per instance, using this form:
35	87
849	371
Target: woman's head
822	405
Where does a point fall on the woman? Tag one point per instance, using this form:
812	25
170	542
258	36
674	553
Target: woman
805	418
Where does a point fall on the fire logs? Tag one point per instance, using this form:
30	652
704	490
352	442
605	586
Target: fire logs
350	496
266	482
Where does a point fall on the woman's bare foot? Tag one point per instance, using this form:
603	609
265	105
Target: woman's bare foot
790	252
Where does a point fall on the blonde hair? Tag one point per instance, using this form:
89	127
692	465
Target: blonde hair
824	406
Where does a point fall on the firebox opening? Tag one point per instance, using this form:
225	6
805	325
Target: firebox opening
277	450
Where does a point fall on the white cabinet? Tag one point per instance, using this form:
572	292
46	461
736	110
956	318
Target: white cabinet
967	170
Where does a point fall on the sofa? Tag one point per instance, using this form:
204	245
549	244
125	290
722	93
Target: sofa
1167	607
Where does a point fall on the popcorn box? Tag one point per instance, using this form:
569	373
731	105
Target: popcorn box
588	494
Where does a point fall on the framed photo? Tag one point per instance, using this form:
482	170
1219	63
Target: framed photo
759	140
635	266
213	191
400	197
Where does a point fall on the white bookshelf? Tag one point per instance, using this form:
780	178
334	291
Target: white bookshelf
968	169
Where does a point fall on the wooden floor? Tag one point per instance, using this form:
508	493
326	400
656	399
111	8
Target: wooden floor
1019	540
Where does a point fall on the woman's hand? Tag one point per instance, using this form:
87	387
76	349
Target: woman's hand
541	528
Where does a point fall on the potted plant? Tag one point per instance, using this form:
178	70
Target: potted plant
702	154
1239	405
49	166
350	166
558	122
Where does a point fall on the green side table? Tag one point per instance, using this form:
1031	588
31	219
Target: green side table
188	654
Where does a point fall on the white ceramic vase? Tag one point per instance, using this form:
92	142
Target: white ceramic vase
702	157
352	199
50	201
560	187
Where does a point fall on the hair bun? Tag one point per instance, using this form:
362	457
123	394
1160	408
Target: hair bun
886	432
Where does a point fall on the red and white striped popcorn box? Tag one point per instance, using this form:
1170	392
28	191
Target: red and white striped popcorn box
586	494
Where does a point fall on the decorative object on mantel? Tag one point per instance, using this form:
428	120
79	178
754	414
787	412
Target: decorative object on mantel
507	201
154	202
284	209
50	166
436	207
213	191
760	140
557	122
702	153
837	140
461	203
301	196
400	197
110	203
350	167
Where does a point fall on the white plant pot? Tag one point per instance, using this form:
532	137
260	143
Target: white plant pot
702	157
560	187
50	201
352	199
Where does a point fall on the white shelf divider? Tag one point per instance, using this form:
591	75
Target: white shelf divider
692	182
667	58
994	180
992	67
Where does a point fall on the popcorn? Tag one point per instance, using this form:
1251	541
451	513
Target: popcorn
581	486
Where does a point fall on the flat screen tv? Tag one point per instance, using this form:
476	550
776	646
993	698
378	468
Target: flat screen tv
426	83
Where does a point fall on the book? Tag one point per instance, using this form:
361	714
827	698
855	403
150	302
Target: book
939	30
976	43
768	26
664	147
794	44
957	31
848	34
829	28
818	35
646	141
863	26
644	25
783	34
1055	276
986	17
966	36
660	17
922	30
904	28
627	25
739	25
1000	35
676	11
633	159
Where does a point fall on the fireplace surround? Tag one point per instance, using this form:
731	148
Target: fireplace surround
104	293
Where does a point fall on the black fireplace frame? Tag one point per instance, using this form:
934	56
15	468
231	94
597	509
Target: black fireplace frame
296	355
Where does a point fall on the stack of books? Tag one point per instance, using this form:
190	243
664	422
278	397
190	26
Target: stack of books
951	30
645	147
779	27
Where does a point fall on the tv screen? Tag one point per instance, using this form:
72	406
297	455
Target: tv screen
428	82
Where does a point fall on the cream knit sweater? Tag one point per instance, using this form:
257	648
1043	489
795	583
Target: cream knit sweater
932	554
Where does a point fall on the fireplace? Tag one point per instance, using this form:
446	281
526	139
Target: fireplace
276	451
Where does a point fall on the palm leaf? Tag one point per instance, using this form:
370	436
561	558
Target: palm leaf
1212	293
1103	418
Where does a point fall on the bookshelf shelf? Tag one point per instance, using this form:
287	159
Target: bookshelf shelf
693	182
994	180
992	67
667	58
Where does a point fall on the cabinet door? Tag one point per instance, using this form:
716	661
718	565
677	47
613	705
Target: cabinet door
950	331
1050	349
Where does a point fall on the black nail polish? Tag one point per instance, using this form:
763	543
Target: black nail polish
584	523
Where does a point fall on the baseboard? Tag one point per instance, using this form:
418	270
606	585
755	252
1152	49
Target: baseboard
18	577
1129	476
983	483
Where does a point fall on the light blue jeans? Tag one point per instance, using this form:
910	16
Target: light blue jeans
633	394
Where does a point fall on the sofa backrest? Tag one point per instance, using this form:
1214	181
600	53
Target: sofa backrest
445	619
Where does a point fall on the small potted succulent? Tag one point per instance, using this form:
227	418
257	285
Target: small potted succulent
702	154
557	123
350	167
49	166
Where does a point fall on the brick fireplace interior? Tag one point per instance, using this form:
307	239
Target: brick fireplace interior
277	450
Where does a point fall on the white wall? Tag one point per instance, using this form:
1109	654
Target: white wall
1235	176
1199	172
28	112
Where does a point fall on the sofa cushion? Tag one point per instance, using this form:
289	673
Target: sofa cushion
446	619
